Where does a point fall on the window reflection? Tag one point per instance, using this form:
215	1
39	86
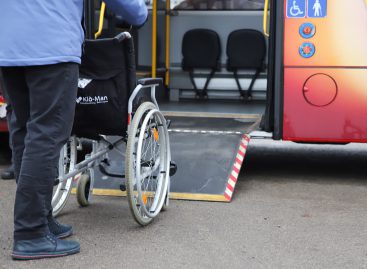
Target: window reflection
212	4
217	4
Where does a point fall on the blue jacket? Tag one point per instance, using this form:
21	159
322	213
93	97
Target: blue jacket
40	32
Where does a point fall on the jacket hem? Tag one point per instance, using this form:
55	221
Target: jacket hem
39	61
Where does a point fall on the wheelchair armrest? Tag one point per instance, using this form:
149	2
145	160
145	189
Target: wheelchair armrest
144	83
150	81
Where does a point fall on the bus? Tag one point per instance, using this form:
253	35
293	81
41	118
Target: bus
236	70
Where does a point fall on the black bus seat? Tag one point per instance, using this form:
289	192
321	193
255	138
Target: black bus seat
201	50
246	50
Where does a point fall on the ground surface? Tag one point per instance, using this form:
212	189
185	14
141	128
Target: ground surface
295	206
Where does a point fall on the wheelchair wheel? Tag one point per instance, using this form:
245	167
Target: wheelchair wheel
67	163
83	190
147	163
166	199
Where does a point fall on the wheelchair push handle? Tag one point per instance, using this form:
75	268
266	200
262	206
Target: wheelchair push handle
121	37
150	81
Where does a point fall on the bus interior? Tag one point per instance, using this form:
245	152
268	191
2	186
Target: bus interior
198	47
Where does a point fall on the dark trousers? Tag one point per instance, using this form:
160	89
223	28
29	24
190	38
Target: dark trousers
43	102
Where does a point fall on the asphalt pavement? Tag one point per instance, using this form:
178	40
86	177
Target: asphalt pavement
295	206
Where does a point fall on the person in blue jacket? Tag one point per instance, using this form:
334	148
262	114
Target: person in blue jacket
40	52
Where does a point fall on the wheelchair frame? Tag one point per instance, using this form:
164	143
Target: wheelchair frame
98	153
142	209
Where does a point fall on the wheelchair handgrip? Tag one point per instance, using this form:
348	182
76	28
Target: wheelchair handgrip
150	81
121	37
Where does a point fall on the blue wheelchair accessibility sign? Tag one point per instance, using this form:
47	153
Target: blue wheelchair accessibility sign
296	8
316	8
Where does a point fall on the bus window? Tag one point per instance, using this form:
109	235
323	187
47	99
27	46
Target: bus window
211	4
217	4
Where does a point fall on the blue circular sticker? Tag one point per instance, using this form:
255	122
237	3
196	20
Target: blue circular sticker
307	30
307	50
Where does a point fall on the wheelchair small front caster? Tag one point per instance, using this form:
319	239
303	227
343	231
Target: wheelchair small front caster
83	190
122	187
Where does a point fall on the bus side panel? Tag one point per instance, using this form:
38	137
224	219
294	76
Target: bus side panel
325	71
325	105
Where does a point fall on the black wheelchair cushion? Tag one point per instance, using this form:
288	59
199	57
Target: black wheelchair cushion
246	49
200	49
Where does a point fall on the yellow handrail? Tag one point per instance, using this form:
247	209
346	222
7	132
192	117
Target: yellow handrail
101	19
154	39
168	29
265	17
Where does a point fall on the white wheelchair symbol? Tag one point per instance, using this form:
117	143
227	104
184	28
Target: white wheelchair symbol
295	10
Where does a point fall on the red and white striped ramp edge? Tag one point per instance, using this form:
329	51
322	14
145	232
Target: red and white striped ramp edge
232	180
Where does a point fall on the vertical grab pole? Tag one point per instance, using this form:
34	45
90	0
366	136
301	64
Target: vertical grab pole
265	17
101	18
168	36
154	39
89	19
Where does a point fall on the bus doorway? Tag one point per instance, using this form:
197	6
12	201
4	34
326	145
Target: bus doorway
212	95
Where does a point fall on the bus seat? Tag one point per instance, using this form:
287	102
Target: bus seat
201	50
246	50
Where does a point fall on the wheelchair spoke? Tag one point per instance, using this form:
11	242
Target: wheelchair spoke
149	170
149	163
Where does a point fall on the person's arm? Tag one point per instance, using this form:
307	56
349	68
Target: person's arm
133	12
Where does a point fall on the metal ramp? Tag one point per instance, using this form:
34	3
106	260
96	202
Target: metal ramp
209	152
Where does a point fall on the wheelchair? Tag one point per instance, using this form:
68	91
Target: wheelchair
113	106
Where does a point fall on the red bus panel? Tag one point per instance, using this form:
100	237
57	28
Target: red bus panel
325	72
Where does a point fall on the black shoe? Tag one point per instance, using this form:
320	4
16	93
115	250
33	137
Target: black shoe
58	229
46	247
8	174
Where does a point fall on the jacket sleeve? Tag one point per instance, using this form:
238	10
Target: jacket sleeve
132	11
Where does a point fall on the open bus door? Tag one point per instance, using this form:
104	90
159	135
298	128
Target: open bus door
318	73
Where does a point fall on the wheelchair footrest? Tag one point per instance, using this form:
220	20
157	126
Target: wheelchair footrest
103	170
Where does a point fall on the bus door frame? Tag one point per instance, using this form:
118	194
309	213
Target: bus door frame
273	117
